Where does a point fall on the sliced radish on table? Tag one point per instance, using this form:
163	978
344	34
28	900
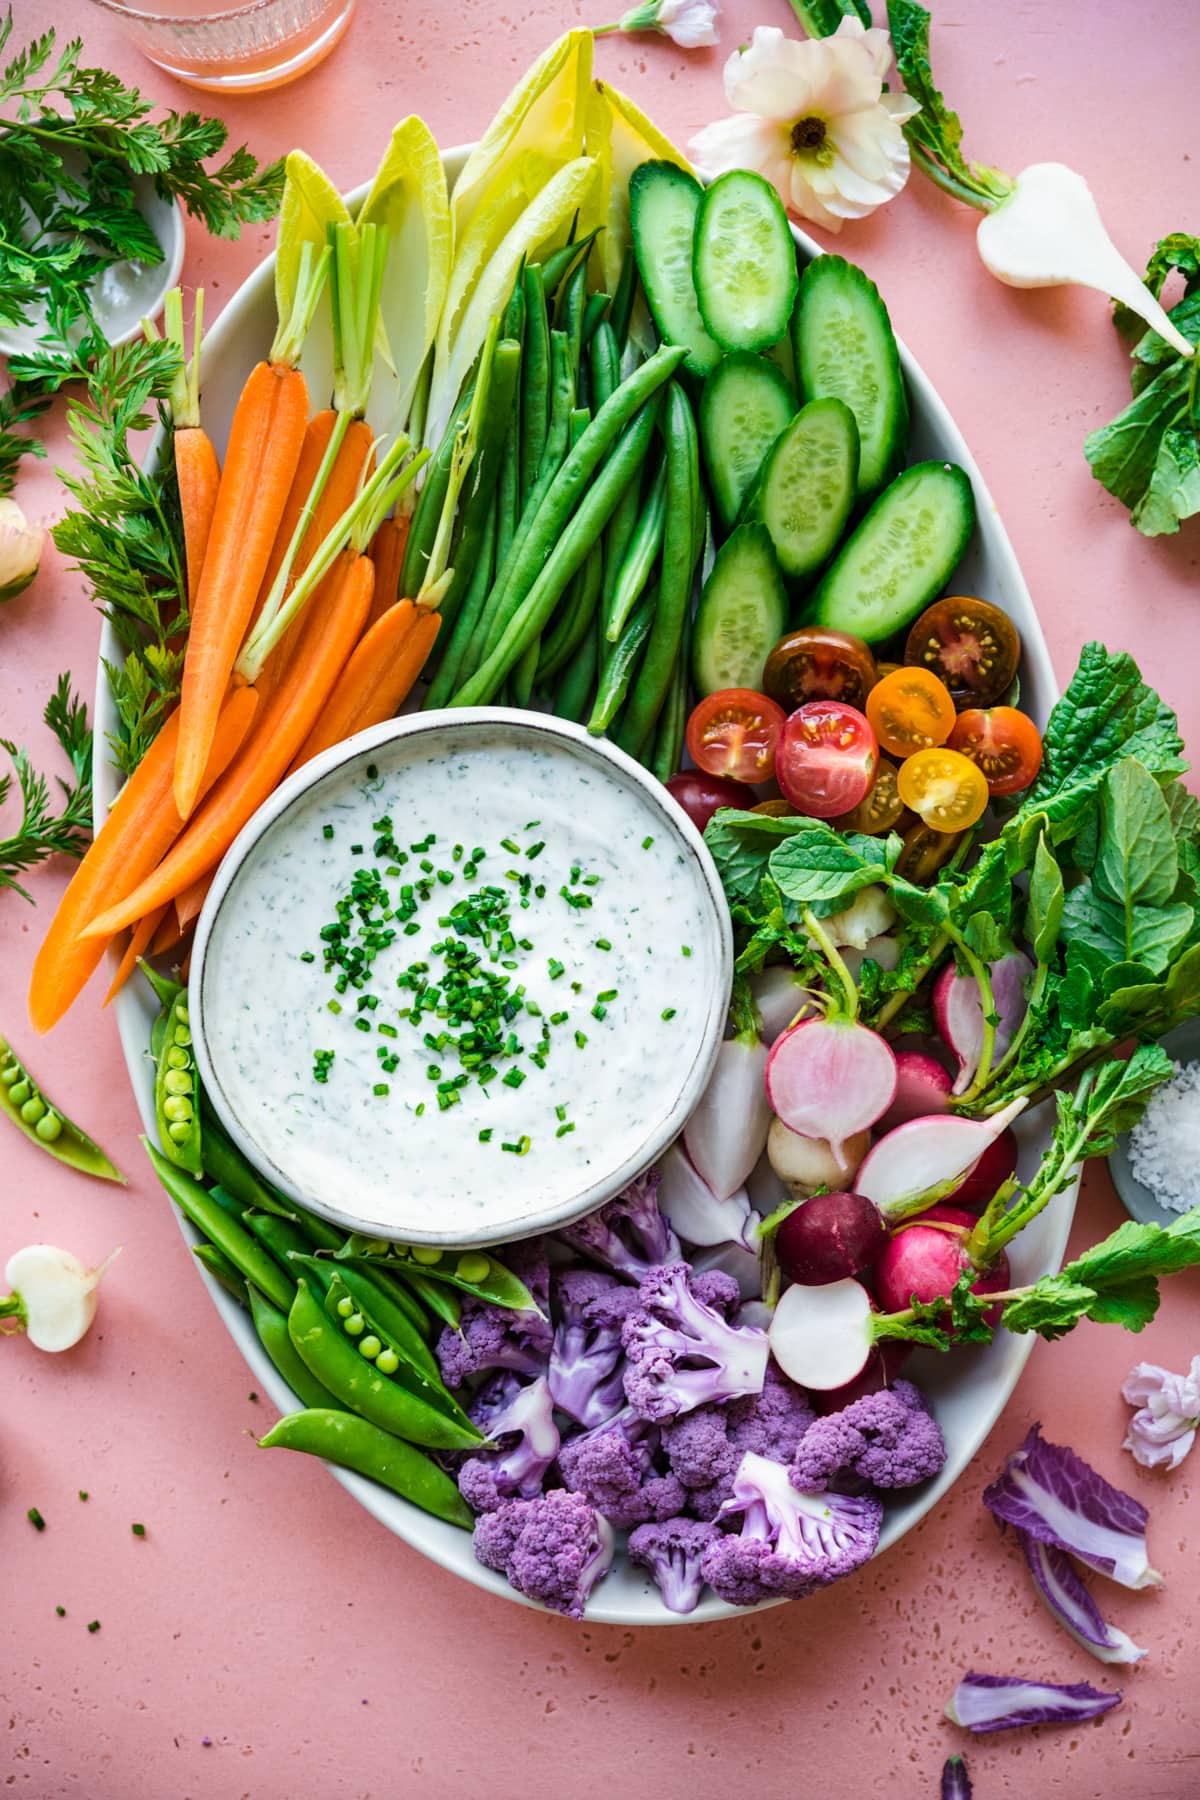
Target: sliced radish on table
827	1078
924	1161
959	1012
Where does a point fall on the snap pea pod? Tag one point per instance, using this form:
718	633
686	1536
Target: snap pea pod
227	1233
641	556
428	510
675	580
475	504
375	1344
176	1092
604	365
535	382
475	1272
593	315
282	1238
525	673
561	644
579	678
443	1302
222	1270
559	264
226	1166
272	1328
621	310
339	1437
46	1125
381	1304
448	675
672	720
531	616
621	662
350	1378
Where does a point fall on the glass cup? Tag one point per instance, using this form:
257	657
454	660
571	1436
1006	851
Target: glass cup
229	46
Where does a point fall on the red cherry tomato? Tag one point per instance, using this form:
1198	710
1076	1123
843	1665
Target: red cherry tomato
1004	744
702	795
734	733
826	759
816	663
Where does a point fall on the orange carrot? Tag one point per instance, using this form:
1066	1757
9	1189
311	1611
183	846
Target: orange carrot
387	553
378	677
139	937
264	448
141	827
335	617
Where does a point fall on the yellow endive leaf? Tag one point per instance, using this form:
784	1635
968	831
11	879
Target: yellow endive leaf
621	136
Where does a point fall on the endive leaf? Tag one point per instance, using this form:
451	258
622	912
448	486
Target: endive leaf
310	205
409	199
620	136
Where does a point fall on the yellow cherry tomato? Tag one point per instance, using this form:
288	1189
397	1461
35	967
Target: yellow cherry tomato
945	789
910	709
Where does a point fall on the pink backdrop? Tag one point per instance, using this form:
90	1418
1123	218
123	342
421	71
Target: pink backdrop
267	1638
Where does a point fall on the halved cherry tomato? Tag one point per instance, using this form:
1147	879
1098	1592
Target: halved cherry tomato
734	733
818	664
970	645
926	851
910	710
702	795
826	759
945	791
1003	742
882	809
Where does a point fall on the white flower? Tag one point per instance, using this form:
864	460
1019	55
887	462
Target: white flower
1164	1428
692	24
812	116
20	549
53	1295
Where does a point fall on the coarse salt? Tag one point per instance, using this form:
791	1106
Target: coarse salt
1164	1147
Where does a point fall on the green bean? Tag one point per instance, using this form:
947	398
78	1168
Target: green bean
176	1092
446	679
542	595
621	310
672	720
222	1270
535	380
350	1378
33	1112
364	1328
675	581
604	365
428	510
213	1222
475	1272
575	688
380	1302
272	1328
351	1443
280	1236
475	505
620	663
641	556
443	1302
593	315
227	1166
560	645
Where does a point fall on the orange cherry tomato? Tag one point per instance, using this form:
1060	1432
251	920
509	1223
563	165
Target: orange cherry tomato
910	710
734	733
970	644
882	809
926	851
1003	742
946	792
816	663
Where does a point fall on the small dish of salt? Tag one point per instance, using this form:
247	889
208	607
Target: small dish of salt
1156	1166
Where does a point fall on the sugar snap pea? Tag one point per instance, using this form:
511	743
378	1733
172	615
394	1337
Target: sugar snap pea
272	1328
621	662
222	1270
353	1380
176	1091
474	1271
228	1234
535	381
352	1443
364	1328
46	1125
640	557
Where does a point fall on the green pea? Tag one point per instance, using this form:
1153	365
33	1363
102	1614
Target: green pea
473	1267
175	1081
387	1362
177	1058
369	1346
49	1128
356	1324
425	1254
345	1306
33	1109
177	1109
21	1092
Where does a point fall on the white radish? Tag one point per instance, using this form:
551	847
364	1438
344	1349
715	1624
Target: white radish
53	1295
917	1164
808	1163
1048	233
829	1078
958	1010
822	1336
726	1133
696	1213
780	997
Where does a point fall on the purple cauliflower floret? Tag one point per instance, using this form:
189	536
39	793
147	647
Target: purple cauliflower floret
496	1337
672	1551
586	1362
553	1549
629	1235
681	1354
887	1439
790	1542
704	1447
519	1419
718	1290
614	1467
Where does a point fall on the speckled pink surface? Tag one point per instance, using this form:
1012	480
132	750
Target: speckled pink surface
266	1638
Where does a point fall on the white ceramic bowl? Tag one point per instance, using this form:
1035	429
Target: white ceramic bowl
969	1389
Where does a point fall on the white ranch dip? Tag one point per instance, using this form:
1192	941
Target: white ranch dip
601	997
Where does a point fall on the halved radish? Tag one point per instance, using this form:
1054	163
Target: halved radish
919	1163
959	1011
828	1078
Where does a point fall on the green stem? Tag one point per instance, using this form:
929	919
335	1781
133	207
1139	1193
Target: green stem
828	949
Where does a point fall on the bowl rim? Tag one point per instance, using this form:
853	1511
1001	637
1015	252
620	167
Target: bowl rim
580	745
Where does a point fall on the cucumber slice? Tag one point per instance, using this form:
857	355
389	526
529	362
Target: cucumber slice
742	613
746	403
744	263
901	556
663	203
845	347
807	486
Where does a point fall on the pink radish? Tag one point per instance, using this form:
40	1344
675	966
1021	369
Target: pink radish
959	1011
696	1213
779	995
829	1237
924	1260
922	1089
727	1132
828	1078
921	1162
807	1163
995	1166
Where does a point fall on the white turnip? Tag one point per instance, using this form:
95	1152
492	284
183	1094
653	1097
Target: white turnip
808	1163
829	1078
917	1164
829	1237
959	1012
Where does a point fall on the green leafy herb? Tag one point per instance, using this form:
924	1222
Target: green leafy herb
50	828
935	133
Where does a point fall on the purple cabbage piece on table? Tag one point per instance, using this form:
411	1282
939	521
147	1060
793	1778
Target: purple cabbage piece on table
1068	1600
1049	1492
982	1703
956	1783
